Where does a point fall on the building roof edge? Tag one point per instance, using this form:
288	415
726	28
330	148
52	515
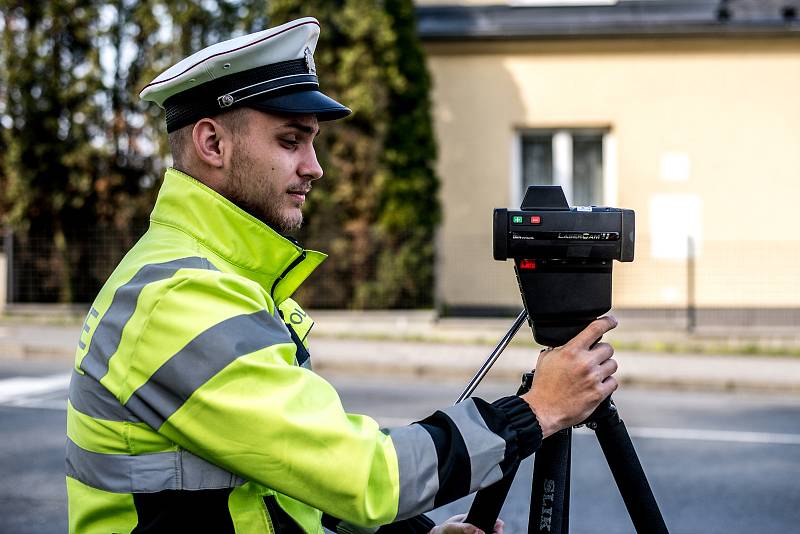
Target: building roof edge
667	18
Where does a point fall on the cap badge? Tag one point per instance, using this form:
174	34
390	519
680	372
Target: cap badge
312	68
225	101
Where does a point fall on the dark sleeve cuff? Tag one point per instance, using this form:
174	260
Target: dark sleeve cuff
420	524
524	423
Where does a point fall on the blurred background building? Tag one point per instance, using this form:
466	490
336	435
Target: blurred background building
687	111
81	156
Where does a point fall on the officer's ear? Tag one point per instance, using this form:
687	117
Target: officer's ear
211	141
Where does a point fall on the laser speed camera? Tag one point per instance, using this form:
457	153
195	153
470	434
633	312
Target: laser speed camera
562	258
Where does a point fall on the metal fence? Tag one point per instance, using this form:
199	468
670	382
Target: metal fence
728	283
355	275
41	271
680	283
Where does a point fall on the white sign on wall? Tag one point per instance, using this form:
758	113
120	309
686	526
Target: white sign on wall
674	219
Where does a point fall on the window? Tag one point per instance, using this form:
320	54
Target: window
577	160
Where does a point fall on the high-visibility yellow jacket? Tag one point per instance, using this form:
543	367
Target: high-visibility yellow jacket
193	408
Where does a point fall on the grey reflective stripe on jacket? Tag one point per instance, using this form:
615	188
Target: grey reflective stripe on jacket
168	388
485	448
200	360
162	394
108	334
122	473
91	398
418	457
418	465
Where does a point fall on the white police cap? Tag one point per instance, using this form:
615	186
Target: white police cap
271	70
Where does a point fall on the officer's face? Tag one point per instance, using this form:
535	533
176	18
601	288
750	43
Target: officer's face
272	167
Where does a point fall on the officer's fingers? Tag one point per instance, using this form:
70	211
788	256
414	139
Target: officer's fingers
460	528
455	525
498	527
593	332
608	368
600	353
608	386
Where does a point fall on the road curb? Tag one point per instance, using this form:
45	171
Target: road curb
429	372
452	362
19	351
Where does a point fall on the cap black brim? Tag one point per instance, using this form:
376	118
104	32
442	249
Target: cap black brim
303	102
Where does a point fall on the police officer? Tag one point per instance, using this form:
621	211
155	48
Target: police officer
193	407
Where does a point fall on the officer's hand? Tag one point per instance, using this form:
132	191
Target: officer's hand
455	525
571	380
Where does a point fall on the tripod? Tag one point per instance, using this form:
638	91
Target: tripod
549	509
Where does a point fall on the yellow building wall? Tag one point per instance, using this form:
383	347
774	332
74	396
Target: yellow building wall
730	107
459	2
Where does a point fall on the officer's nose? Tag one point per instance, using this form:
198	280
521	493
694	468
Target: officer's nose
310	168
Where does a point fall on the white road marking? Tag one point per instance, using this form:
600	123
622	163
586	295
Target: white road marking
39	404
679	434
19	390
728	436
23	392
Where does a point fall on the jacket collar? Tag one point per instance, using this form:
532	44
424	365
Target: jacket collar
247	245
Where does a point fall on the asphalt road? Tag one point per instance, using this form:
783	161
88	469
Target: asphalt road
717	462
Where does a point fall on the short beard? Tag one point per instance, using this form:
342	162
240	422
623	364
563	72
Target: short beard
249	189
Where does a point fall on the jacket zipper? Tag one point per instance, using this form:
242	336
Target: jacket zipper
291	266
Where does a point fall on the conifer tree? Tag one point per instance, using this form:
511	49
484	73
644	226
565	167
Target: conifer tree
378	208
83	155
49	74
409	205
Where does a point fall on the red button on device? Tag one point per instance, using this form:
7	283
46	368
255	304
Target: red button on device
527	264
535	219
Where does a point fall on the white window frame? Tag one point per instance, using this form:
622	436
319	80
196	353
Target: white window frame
562	164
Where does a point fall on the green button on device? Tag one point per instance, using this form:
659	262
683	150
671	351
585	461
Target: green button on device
517	219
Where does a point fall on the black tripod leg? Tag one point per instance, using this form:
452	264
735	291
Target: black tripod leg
550	492
565	509
488	502
629	475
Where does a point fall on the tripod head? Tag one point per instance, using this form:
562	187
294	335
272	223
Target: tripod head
562	258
